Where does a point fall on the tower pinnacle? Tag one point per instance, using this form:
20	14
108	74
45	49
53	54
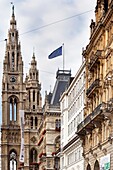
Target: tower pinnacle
13	10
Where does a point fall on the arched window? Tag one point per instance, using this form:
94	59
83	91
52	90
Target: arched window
15	109
88	167
13	162
11	109
33	155
96	165
38	98
33	95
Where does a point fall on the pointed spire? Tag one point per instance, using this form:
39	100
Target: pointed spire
13	21
13	10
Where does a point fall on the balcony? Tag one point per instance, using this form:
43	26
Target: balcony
93	120
94	59
93	86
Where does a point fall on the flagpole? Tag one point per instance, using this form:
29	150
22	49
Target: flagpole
63	55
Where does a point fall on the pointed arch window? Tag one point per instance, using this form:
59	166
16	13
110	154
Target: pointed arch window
96	165
88	167
33	95
38	98
13	109
13	161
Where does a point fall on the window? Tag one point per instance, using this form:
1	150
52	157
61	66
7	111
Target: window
33	95
13	162
33	155
11	118
37	98
36	122
58	124
13	109
33	107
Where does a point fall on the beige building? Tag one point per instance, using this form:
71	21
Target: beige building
96	131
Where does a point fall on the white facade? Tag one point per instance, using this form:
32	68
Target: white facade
72	108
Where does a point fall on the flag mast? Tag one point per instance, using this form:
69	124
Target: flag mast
63	55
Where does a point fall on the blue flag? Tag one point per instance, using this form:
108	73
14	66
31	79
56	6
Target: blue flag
56	53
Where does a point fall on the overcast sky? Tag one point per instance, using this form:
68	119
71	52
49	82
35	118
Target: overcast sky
74	32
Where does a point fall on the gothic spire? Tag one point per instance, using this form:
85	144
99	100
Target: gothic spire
13	21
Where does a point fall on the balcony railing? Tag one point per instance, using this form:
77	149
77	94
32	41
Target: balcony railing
94	85
90	119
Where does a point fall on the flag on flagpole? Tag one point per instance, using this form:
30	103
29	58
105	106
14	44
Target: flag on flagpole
56	53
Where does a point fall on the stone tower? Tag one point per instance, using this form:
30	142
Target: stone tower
12	98
18	95
33	117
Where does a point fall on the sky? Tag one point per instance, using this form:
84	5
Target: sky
44	25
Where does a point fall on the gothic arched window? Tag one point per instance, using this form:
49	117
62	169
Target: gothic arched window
96	165
11	105
38	98
13	109
88	167
13	162
33	95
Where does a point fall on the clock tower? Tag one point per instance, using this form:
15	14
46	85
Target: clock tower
12	99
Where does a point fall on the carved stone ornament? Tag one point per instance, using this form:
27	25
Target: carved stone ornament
33	139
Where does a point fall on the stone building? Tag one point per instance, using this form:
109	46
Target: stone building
96	131
72	113
19	96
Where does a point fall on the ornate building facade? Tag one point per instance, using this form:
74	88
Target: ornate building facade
18	95
96	131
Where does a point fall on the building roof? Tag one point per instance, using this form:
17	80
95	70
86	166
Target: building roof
62	79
